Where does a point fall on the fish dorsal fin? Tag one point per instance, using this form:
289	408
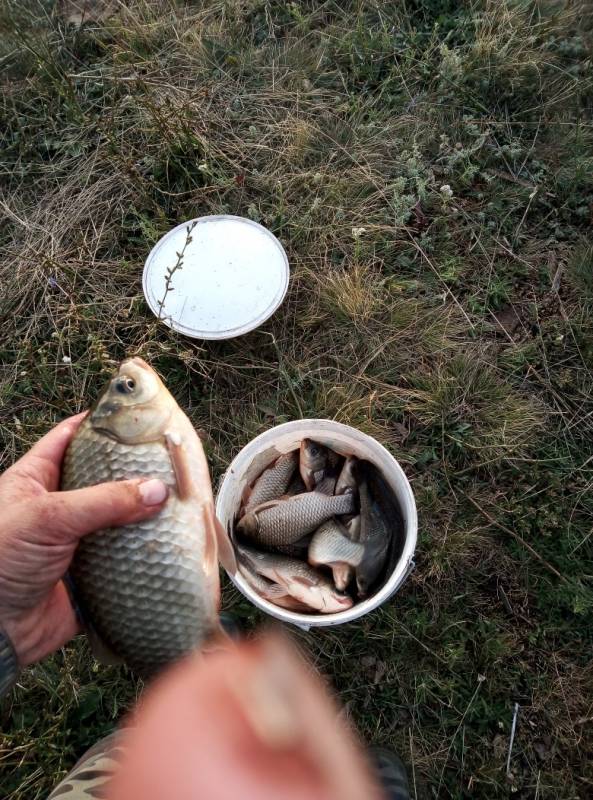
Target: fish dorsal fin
178	454
268	504
218	546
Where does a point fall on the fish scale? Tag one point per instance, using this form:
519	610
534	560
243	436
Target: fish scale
139	583
273	482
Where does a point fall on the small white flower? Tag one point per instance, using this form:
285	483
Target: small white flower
66	360
446	190
358	232
22	373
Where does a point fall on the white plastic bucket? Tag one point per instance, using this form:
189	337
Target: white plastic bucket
264	449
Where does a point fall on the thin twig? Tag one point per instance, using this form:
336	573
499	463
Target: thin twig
520	539
513	727
176	267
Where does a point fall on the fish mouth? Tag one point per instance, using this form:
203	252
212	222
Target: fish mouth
105	432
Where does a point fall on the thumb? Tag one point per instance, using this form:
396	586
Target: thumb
81	511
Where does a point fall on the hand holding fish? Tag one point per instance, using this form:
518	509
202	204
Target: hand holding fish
40	530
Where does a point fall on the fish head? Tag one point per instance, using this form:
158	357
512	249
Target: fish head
347	482
312	460
353	528
135	407
313	455
248	524
334	601
319	595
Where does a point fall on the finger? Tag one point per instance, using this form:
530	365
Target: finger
44	460
76	513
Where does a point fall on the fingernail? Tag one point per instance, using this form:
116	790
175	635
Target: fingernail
153	492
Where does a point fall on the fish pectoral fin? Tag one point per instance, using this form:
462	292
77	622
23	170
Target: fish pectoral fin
268	504
226	551
101	651
218	640
304	581
274	591
178	454
218	545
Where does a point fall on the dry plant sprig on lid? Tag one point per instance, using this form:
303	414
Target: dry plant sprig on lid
170	271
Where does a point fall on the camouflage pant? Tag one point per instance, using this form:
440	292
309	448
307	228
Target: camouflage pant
89	775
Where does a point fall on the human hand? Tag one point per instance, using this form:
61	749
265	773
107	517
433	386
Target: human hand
39	530
250	720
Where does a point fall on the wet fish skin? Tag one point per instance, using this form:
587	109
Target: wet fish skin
283	522
385	499
333	459
150	590
326	485
352	527
273	482
297	550
375	535
347	481
306	584
330	546
296	486
312	461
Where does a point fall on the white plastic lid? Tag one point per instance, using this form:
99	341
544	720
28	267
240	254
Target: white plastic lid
216	277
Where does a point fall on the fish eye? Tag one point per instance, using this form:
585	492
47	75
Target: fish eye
125	385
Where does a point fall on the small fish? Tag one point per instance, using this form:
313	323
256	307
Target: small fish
375	535
330	546
273	482
149	591
271	591
312	461
347	481
306	584
282	522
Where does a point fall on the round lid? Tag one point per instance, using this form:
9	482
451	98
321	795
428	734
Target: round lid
216	277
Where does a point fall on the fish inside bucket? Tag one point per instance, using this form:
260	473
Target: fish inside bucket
317	526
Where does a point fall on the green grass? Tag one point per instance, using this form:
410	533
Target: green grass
429	169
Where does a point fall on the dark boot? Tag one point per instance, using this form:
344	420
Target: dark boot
232	625
391	772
